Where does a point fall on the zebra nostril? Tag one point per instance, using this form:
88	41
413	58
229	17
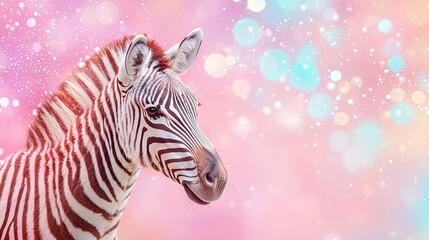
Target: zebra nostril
208	179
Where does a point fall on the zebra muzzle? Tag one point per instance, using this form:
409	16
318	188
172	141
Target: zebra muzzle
212	179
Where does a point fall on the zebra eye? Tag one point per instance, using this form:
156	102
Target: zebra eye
153	112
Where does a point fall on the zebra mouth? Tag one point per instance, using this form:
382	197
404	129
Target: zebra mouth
193	196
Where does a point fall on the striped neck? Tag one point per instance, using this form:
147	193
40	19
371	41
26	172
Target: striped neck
75	94
102	173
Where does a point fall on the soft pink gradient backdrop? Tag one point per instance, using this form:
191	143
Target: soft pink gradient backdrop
292	175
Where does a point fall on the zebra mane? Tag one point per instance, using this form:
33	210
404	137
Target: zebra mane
79	90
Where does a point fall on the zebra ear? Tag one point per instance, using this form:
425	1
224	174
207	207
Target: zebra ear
183	55
135	59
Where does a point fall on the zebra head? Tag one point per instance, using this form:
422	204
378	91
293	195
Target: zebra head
160	117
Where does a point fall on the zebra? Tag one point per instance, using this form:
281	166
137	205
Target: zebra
124	109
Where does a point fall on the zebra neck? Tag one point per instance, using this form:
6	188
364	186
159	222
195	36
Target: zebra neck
103	174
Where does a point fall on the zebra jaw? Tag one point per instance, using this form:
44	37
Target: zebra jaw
193	196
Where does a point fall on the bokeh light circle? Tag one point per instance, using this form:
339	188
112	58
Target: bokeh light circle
31	22
344	87
247	32
256	5
384	26
335	75
15	103
418	97
4	102
241	88
397	94
401	113
230	60
305	76
341	118
289	5
423	81
320	106
396	64
215	65
274	64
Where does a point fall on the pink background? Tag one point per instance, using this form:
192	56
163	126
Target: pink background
346	159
